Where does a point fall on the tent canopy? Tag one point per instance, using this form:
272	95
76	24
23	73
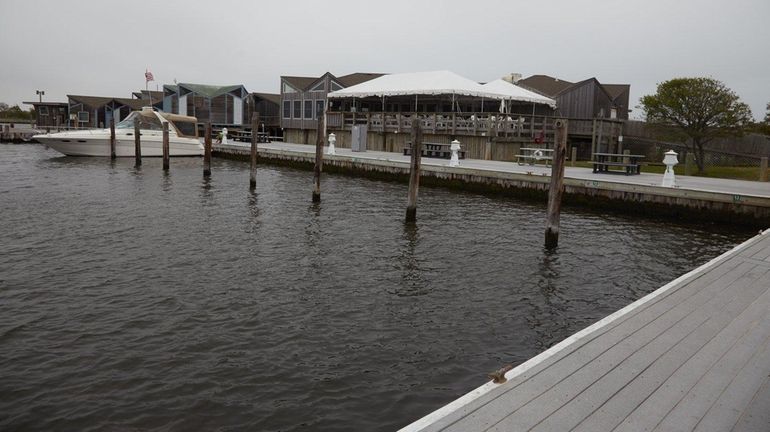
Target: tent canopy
418	83
514	92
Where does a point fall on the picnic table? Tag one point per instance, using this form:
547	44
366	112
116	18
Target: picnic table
628	163
436	150
532	155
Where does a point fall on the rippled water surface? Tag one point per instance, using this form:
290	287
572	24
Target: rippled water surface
130	299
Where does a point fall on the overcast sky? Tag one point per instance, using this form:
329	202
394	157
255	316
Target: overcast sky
102	47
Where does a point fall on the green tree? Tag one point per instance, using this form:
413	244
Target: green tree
700	109
15	113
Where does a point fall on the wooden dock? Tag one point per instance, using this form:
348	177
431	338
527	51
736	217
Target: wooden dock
693	355
695	198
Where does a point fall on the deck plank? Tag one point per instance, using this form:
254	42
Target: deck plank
756	416
693	356
608	401
645	324
725	413
596	383
728	354
645	321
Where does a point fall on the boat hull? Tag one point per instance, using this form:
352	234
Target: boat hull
94	143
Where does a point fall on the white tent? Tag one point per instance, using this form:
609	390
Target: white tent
516	93
419	83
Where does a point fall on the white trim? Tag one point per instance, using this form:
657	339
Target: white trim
545	355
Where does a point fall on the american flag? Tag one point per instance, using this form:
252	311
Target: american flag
148	76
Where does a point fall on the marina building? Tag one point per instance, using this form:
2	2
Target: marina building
303	97
492	121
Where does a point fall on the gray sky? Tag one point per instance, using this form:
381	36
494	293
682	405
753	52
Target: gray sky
102	47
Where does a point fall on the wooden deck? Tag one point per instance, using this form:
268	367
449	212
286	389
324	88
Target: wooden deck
692	356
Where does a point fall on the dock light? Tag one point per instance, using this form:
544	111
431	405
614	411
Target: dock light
332	141
454	147
670	159
40	94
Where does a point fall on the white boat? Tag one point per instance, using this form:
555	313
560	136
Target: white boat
182	137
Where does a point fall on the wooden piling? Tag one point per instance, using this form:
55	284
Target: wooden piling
138	141
319	158
556	188
166	150
763	169
113	154
414	172
574	156
488	148
207	151
254	138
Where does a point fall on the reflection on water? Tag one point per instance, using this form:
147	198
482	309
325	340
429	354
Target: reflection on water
167	182
134	299
412	280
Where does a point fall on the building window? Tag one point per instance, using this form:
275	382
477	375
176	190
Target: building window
319	106
43	110
288	89
318	87
297	109
308	109
336	86
286	109
83	116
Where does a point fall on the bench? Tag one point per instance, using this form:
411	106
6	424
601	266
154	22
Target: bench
629	164
531	155
434	150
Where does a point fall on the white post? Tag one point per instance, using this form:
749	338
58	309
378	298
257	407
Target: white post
224	135
332	141
669	180
455	148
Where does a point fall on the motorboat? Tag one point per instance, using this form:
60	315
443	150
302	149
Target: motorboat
182	137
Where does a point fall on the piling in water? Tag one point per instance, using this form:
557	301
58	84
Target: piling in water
556	188
254	136
414	171
113	154
207	151
319	157
165	146
138	141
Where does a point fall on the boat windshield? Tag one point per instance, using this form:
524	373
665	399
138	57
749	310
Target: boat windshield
149	121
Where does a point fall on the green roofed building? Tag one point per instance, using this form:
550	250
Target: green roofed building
99	111
221	105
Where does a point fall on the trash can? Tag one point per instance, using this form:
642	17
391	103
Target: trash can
358	137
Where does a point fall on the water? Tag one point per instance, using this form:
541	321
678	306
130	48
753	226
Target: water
130	299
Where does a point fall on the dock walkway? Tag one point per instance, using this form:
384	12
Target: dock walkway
693	355
722	200
704	184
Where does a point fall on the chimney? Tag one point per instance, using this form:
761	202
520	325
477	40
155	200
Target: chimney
512	77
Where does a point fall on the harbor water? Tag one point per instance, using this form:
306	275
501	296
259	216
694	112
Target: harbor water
131	299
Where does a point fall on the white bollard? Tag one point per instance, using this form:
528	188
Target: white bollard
224	135
332	141
669	180
455	148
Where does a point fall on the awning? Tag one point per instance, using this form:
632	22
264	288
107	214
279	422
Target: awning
517	93
418	83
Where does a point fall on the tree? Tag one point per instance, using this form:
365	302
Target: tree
15	113
767	116
700	109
